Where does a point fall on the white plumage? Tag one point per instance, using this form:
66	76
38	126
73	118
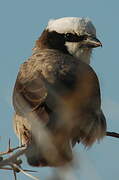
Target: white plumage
73	25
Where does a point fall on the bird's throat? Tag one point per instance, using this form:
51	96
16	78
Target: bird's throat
84	54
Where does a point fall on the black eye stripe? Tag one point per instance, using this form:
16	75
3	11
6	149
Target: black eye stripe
71	37
83	37
74	37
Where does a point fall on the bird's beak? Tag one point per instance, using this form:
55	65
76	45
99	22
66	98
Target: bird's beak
92	42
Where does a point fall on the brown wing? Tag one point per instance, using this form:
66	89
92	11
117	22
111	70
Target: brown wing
29	90
29	96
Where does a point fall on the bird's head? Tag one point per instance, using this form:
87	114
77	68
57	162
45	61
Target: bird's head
73	35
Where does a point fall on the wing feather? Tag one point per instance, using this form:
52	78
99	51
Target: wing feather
29	91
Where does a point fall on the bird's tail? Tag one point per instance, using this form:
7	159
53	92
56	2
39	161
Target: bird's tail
95	131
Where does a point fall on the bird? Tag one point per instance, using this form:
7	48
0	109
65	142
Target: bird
56	96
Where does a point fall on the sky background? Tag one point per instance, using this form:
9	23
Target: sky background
21	23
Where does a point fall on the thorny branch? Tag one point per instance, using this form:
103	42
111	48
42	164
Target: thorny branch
10	150
14	162
13	158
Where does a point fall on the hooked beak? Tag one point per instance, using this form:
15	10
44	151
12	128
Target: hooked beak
92	42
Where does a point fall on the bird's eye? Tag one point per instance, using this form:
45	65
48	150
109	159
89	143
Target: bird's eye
69	37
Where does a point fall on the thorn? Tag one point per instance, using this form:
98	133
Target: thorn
9	144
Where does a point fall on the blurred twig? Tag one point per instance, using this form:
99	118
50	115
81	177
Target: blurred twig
27	174
9	169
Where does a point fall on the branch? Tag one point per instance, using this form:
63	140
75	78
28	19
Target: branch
112	134
10	150
26	170
27	174
13	158
15	163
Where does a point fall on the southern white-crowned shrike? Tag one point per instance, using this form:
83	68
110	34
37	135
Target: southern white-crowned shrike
58	86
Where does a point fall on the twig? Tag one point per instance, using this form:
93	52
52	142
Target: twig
27	174
27	170
15	175
112	134
9	144
14	162
10	149
12	158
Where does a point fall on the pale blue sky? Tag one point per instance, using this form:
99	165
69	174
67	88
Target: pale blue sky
21	22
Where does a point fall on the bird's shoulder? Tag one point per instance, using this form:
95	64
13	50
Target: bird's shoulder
52	65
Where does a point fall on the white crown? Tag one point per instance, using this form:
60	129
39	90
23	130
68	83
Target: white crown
72	25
